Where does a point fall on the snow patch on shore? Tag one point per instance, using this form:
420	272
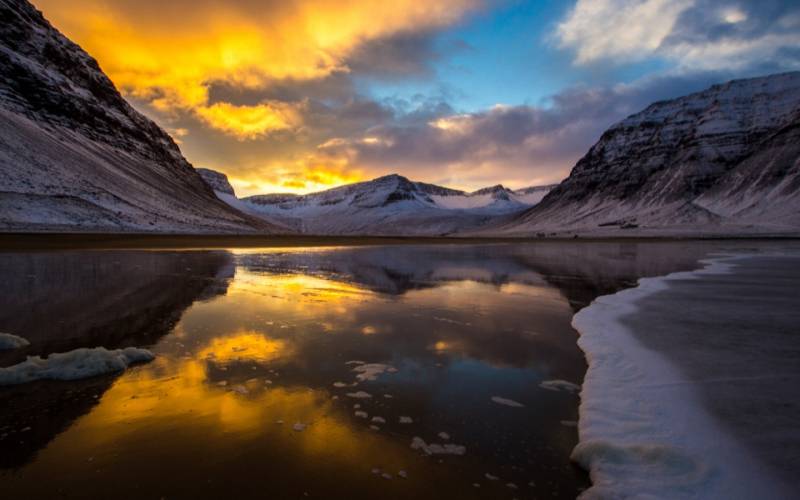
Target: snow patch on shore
643	431
73	365
8	341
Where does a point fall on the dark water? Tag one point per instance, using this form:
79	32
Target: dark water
245	339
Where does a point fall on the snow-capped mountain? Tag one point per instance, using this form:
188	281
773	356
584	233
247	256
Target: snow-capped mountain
75	156
390	205
724	160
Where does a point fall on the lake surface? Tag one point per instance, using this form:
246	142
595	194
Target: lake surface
265	357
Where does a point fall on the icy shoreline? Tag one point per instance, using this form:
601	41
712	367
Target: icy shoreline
643	429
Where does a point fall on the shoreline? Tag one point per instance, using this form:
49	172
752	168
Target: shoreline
102	241
643	428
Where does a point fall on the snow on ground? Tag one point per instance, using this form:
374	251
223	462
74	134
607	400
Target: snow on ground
8	341
643	431
73	365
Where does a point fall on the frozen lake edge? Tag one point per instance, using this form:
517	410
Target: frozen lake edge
645	428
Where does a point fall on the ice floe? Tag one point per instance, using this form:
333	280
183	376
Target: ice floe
507	402
417	443
8	341
359	395
299	427
560	385
340	384
73	365
444	436
379	420
370	371
406	420
361	414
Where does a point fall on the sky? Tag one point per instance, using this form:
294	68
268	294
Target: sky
300	96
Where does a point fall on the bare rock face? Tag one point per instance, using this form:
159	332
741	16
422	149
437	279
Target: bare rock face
75	156
723	158
216	180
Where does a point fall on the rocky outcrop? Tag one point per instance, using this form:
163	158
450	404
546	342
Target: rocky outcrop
75	156
723	159
217	181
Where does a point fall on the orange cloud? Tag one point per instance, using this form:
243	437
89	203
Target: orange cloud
170	53
250	122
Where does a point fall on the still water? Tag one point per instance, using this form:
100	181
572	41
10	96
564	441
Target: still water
309	372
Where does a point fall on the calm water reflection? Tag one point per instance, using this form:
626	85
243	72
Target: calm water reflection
251	342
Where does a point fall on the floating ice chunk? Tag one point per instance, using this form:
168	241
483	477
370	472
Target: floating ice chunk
279	422
73	365
240	389
374	427
491	477
8	341
354	362
507	402
388	396
379	420
406	420
559	385
371	371
359	395
444	435
222	383
386	475
356	406
476	485
340	384
335	397
403	474
299	426
417	443
376	470
511	485
361	414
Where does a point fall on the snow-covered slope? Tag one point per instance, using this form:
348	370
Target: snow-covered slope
74	156
390	205
724	160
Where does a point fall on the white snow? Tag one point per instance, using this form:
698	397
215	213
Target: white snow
361	414
8	341
643	432
417	443
379	420
507	402
73	365
560	385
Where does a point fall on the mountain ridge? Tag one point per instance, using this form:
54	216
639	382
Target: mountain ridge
75	156
675	165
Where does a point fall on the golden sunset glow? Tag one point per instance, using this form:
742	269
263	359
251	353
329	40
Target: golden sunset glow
249	122
170	53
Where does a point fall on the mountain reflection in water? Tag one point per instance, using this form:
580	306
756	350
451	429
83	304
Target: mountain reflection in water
249	343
